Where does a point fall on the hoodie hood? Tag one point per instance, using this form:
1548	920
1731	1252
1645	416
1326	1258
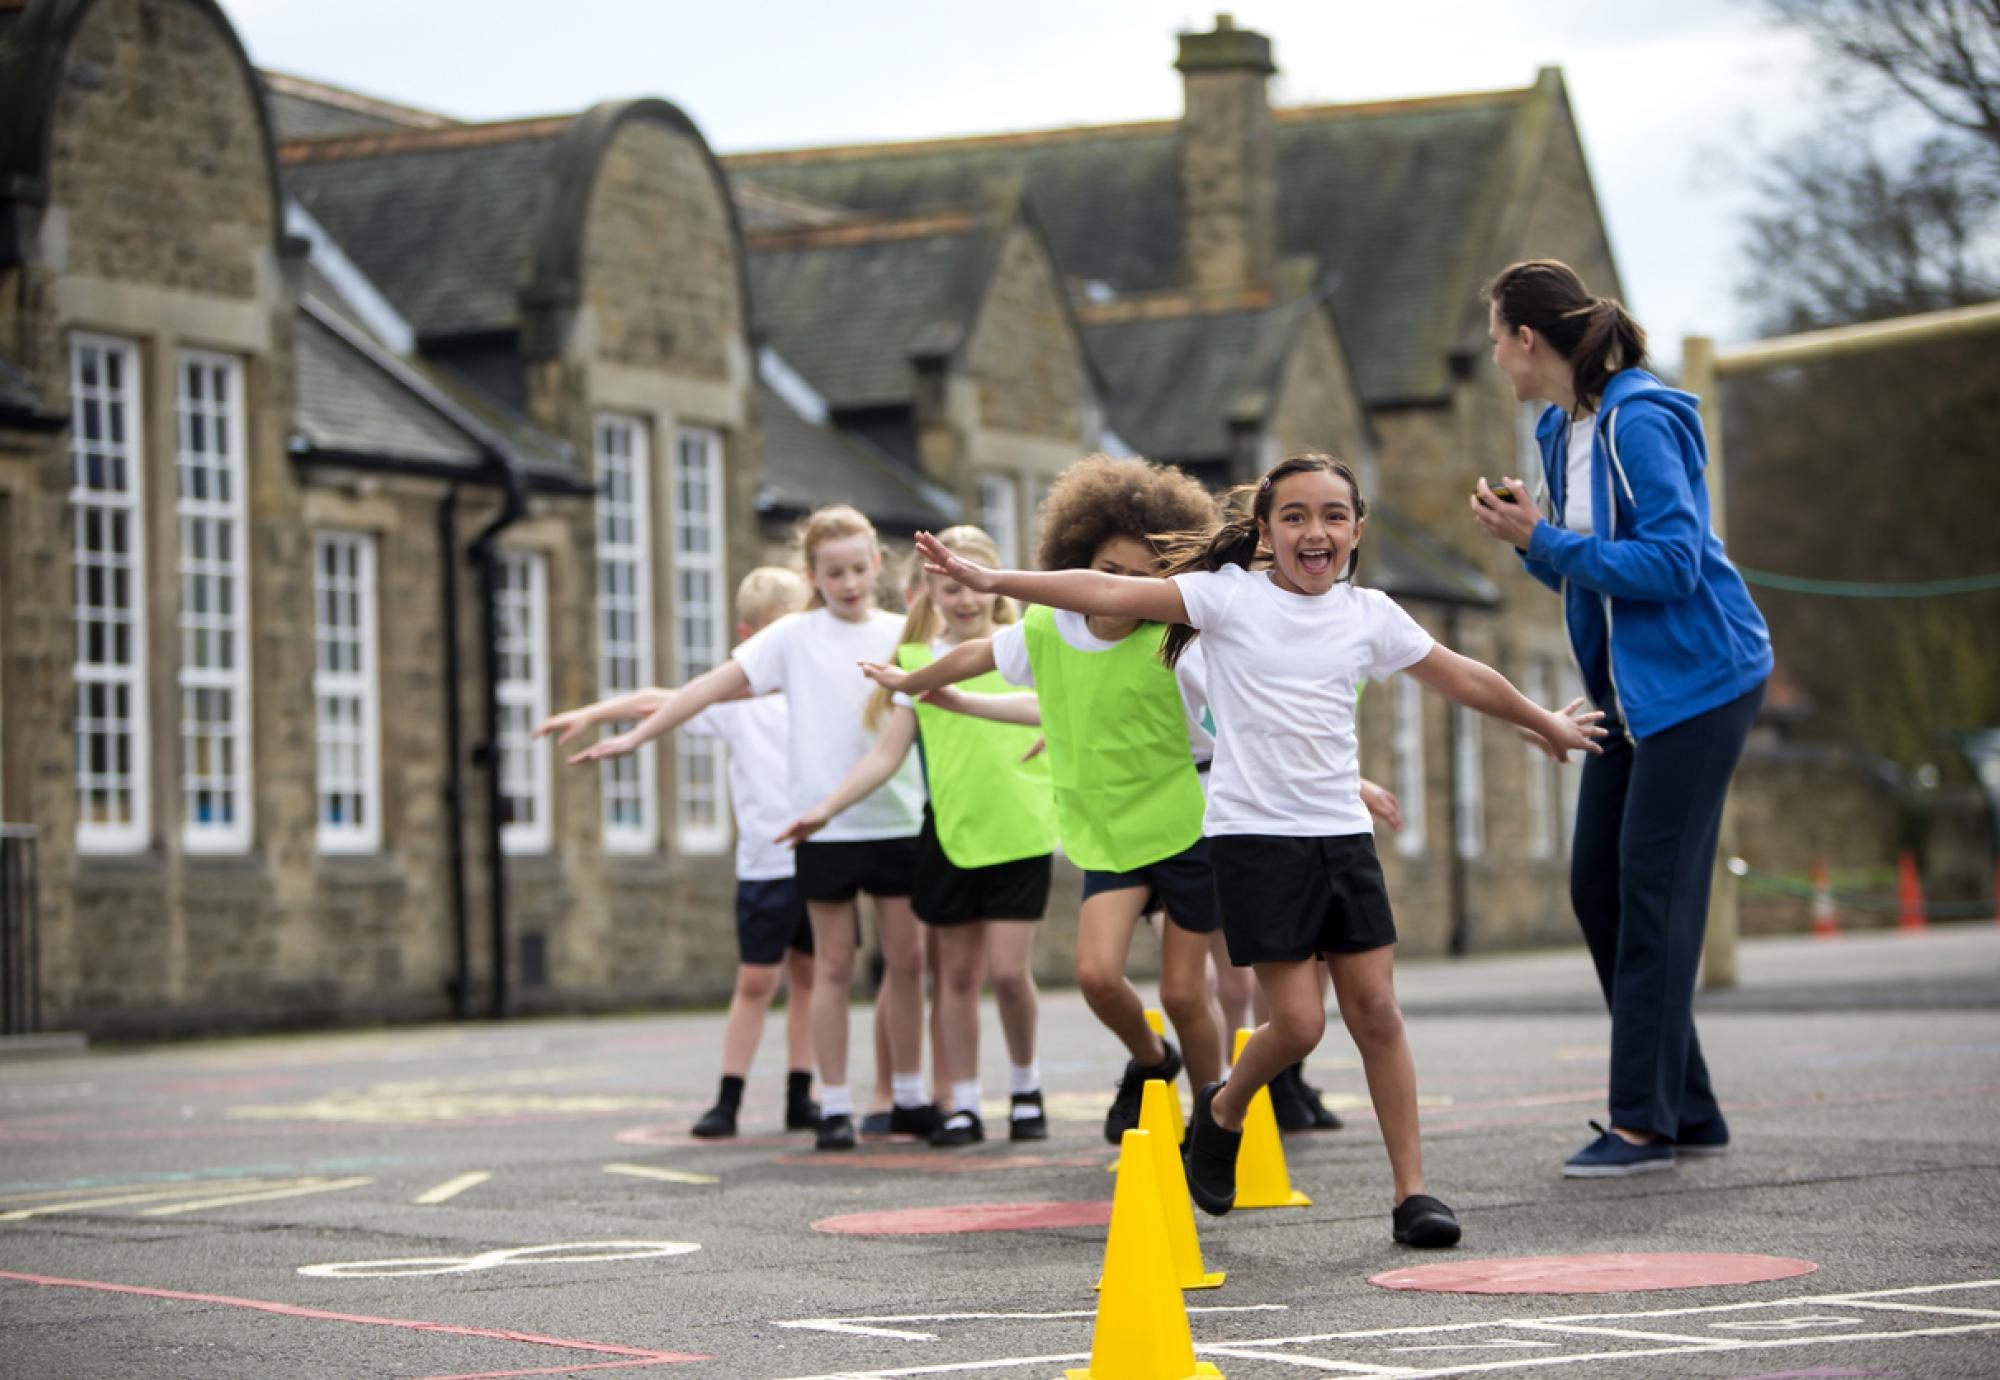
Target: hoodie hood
1637	387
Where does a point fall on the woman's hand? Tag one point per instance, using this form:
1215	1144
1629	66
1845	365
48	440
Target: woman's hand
939	559
617	745
1576	713
803	828
890	678
1513	520
1382	804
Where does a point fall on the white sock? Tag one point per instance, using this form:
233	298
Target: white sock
834	1100
1024	1078
1225	1074
965	1097
907	1089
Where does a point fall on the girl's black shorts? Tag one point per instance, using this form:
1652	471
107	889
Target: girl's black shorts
943	893
1285	899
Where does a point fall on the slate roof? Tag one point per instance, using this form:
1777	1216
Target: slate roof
1398	201
303	109
849	314
809	464
1401	559
444	229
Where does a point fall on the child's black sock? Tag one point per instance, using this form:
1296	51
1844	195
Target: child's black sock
732	1091
798	1085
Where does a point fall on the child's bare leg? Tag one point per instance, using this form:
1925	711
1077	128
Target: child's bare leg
1233	989
1298	1019
1184	995
833	976
798	1009
879	1024
756	984
1010	967
902	984
1365	985
941	1074
1103	939
961	953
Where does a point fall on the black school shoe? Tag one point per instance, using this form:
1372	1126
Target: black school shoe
835	1133
1324	1117
1288	1101
875	1124
1422	1221
1029	1124
1211	1156
915	1121
717	1123
1124	1113
960	1128
802	1115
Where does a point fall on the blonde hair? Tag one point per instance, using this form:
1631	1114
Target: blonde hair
768	593
963	540
823	525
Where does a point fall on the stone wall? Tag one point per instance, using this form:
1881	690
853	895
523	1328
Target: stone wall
1316	408
1024	356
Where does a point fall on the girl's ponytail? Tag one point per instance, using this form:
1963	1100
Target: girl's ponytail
1233	543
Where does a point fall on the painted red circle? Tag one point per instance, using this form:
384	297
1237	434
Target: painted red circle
1593	1274
967	1217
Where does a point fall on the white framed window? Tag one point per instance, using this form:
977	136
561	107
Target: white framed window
108	562
1408	741
1468	784
625	623
999	514
1539	794
215	596
521	598
702	806
346	694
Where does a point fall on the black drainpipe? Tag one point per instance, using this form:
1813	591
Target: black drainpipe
1461	920
454	786
485	555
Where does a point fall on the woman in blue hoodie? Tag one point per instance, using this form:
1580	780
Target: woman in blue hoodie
1674	652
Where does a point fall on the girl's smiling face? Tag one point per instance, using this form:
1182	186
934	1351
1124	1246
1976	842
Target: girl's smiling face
1312	530
843	571
967	613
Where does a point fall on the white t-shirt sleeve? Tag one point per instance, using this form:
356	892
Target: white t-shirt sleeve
1010	654
762	656
1396	641
1206	594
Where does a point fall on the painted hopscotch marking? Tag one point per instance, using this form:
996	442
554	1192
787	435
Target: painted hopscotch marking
672	1176
864	1327
565	1253
1700	1330
632	1356
175	1199
451	1188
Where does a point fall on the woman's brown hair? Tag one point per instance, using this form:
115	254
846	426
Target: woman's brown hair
1595	334
1237	541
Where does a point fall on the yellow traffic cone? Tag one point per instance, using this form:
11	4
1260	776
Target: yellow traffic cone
1177	1209
1142	1328
1262	1180
1158	1025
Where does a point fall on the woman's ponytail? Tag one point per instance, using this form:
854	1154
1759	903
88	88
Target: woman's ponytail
1595	334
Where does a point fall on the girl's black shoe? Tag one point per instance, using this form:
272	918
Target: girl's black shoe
1026	1119
835	1133
802	1115
1422	1221
717	1123
1211	1156
960	1128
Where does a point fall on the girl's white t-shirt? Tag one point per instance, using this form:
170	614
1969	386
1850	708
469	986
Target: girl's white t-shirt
1576	472
813	657
756	732
1010	658
1281	672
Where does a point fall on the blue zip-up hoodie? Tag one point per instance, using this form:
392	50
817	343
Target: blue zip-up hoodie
1653	583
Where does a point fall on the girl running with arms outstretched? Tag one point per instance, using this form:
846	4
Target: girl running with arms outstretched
1295	869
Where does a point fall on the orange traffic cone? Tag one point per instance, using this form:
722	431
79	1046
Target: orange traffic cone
1909	893
1141	1332
1825	923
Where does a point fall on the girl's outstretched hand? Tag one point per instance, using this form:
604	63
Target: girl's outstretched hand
802	828
945	697
1575	712
940	560
1382	804
888	677
565	725
1570	732
617	745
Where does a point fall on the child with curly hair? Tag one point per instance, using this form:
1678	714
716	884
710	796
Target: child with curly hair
1128	796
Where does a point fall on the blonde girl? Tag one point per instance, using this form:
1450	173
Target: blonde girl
1295	870
983	858
871	846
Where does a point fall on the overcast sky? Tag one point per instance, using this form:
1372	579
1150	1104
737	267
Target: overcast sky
1674	101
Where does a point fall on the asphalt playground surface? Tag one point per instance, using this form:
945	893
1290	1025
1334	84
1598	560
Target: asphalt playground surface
522	1199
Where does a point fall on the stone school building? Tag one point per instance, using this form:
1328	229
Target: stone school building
341	441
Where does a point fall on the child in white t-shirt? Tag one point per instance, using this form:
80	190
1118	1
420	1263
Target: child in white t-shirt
1296	876
870	847
773	935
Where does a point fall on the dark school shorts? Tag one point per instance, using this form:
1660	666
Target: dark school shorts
837	871
946	894
770	918
1184	884
1285	899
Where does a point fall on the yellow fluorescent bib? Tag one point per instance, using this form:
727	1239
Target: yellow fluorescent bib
1125	785
990	807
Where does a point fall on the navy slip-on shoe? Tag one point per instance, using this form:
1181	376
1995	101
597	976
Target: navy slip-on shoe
1611	1156
1709	1138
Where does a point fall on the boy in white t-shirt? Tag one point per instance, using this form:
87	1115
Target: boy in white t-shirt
773	935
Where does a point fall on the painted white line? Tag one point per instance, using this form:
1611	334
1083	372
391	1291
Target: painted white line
1578	1329
451	1188
1011	1363
116	1200
867	1327
1808	1322
848	1329
158	1186
1503	1344
672	1176
1237	1353
563	1253
1912	1308
334	1186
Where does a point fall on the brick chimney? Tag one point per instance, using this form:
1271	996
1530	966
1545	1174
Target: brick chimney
1228	158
